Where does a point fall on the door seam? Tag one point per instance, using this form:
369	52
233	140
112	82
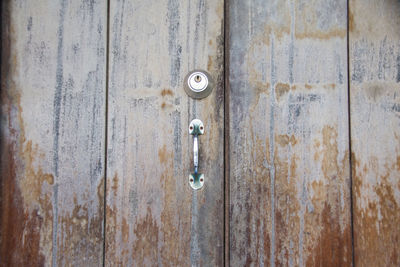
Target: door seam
226	137
106	131
349	136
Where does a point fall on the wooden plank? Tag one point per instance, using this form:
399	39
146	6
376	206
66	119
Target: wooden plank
375	130
289	146
52	133
152	215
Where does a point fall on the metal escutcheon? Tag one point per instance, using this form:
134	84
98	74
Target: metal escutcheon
198	84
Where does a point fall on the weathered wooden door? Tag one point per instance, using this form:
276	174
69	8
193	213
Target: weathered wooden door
300	152
153	217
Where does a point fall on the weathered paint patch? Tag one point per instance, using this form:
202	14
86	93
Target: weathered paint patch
23	223
145	248
52	191
374	90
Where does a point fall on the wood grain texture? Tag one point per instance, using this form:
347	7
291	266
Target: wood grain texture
375	130
289	144
52	133
153	216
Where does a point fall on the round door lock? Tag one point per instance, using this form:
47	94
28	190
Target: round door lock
198	84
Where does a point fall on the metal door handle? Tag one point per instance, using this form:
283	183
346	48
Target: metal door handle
196	179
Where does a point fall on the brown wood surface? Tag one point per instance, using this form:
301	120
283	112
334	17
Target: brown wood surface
374	32
153	215
289	144
52	132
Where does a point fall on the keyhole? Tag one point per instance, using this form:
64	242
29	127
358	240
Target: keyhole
197	78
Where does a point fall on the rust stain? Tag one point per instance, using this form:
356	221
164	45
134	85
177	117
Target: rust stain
307	86
329	224
111	225
330	86
209	63
316	145
287	206
125	231
25	227
165	105
281	89
111	231
32	184
398	163
279	29
285	139
333	244
329	162
145	248
163	155
259	88
318	190
322	35
20	238
21	227
174	251
81	229
100	192
26	209
159	236
253	201
166	92
376	230
352	23
114	186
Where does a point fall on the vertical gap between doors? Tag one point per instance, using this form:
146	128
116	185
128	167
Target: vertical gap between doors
349	133
226	136
106	132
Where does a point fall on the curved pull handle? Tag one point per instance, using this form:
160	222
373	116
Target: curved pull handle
196	153
196	179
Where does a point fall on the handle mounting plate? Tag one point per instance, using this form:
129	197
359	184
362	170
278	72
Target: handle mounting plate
196	180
